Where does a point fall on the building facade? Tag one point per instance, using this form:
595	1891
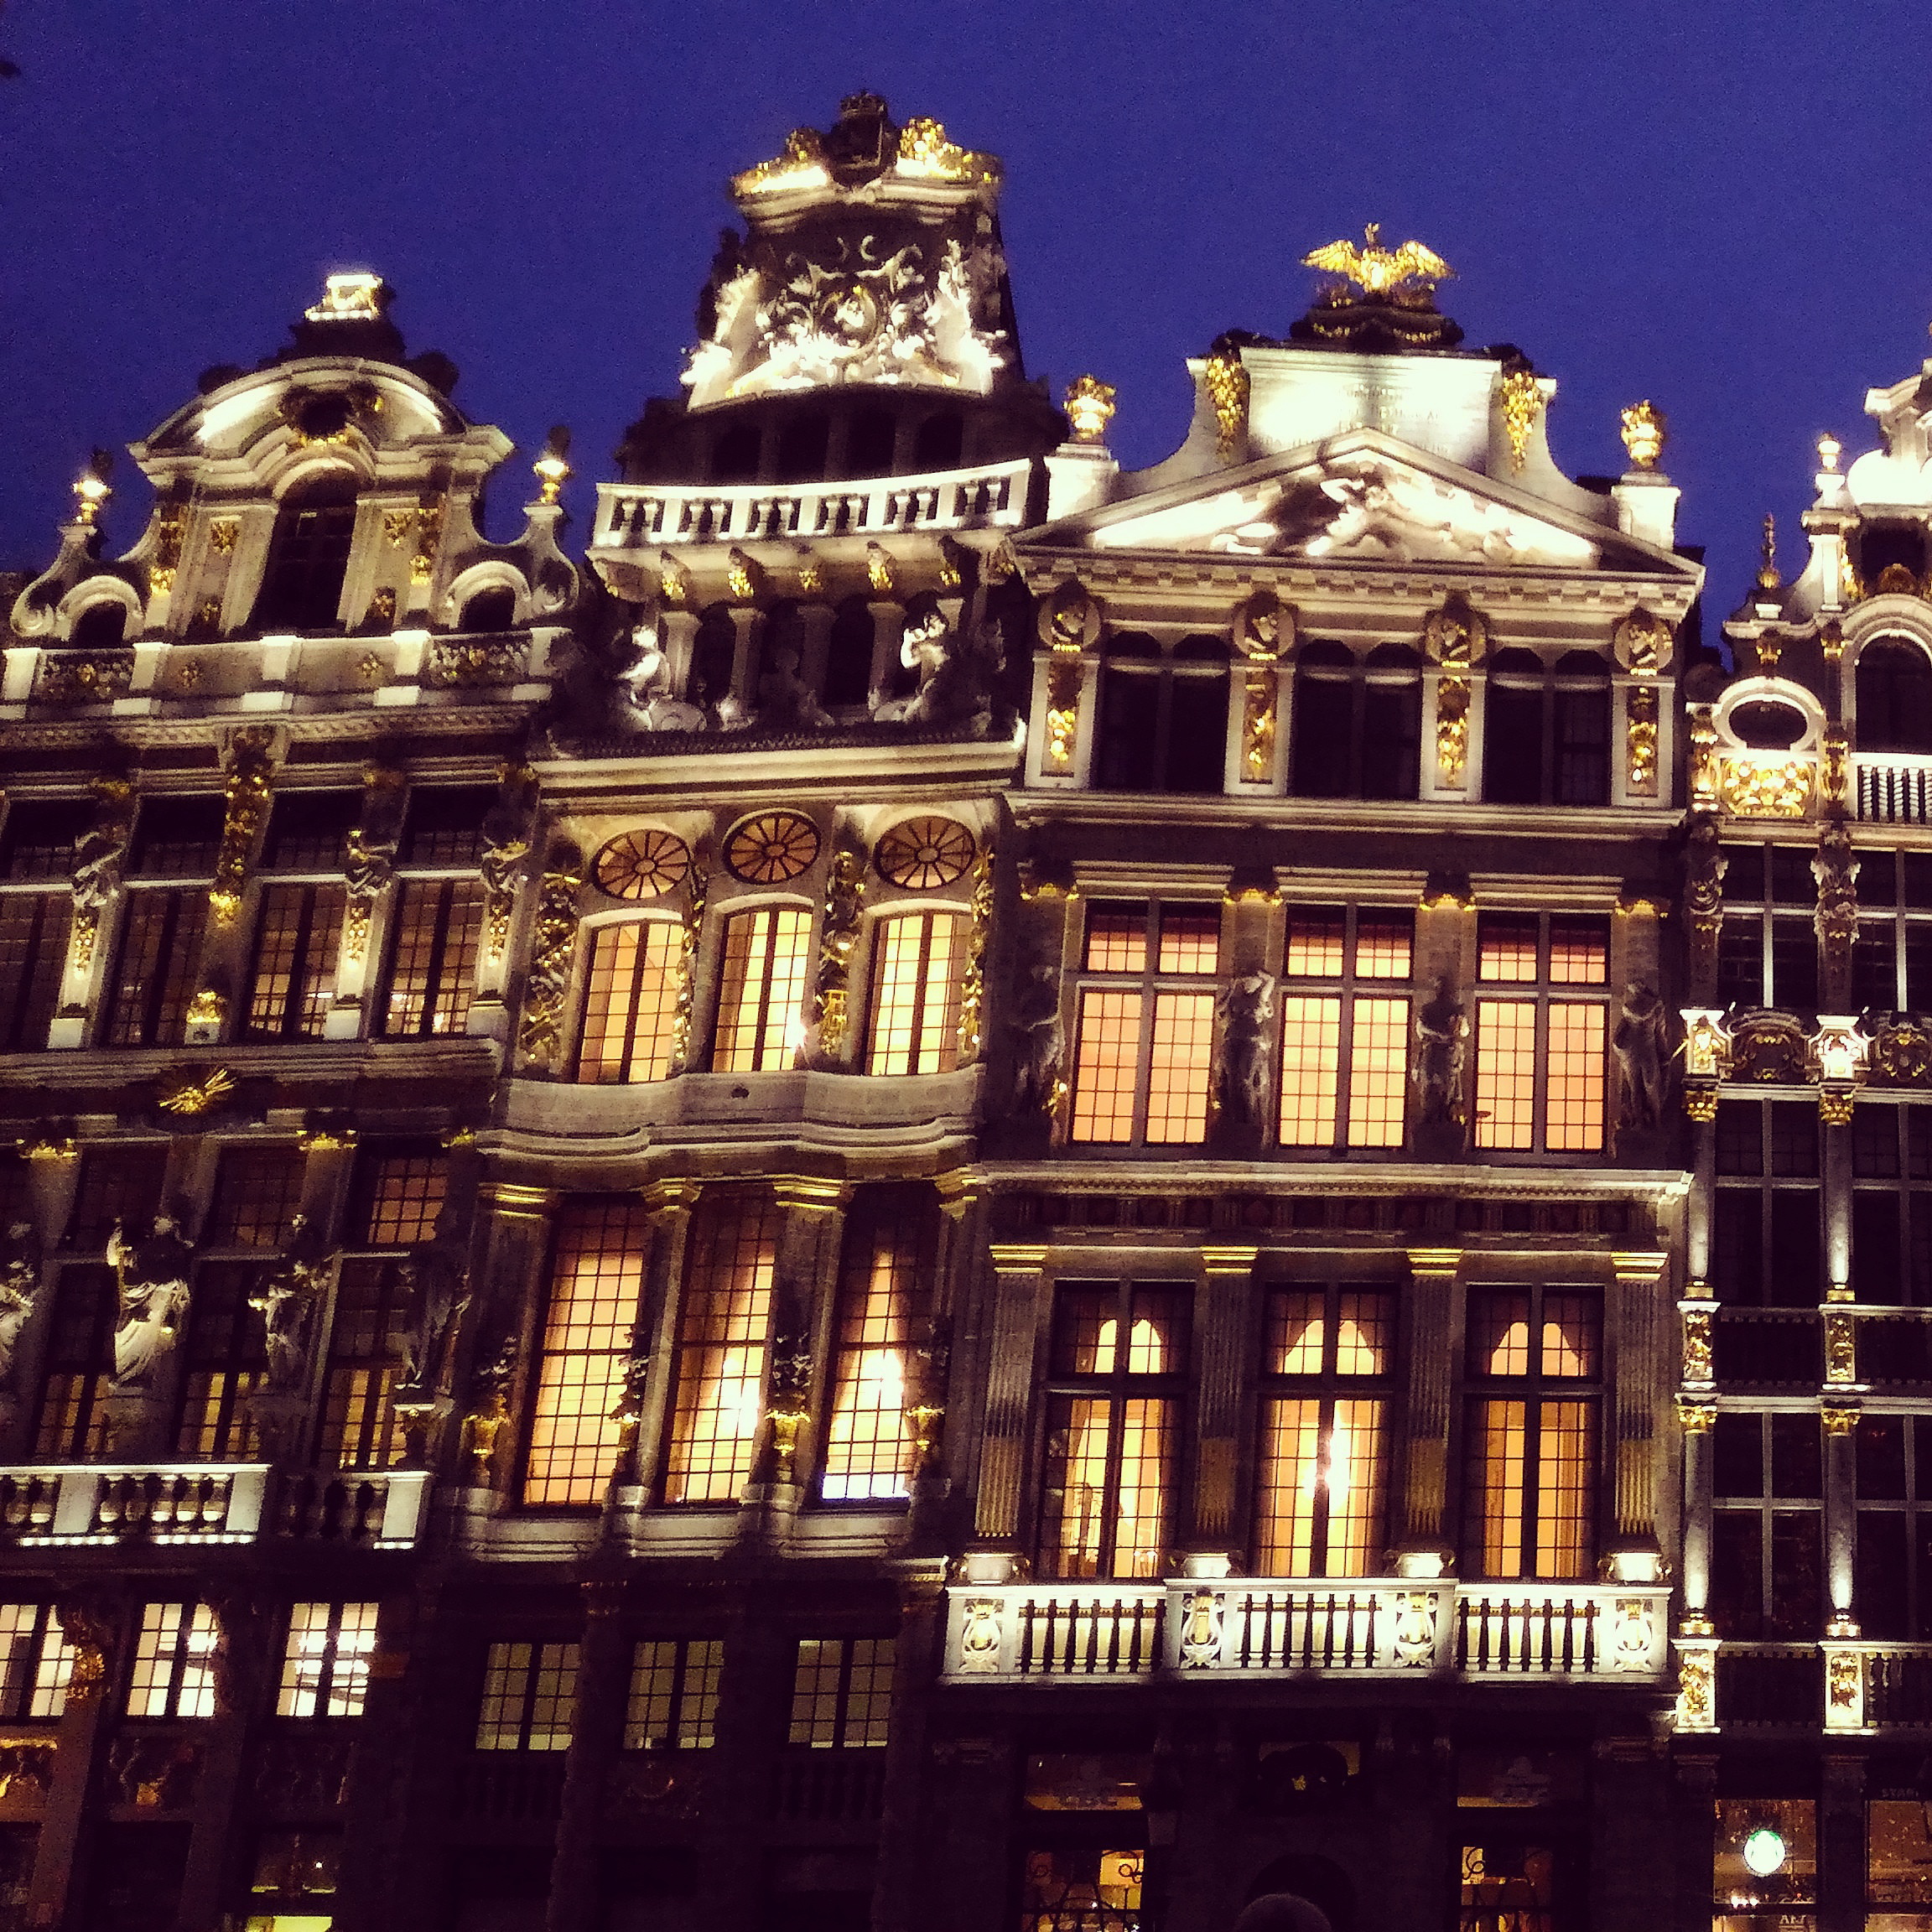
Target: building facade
949	1187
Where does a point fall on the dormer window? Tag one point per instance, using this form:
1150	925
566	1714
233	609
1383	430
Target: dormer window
102	627
1894	697
308	558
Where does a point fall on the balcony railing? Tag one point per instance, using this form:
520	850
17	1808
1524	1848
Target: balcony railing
1016	1633
1894	786
207	1502
991	498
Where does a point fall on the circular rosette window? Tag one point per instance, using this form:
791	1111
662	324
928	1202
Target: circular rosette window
772	847
642	865
922	853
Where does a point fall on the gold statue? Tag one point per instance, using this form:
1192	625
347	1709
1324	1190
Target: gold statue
1644	431
1378	270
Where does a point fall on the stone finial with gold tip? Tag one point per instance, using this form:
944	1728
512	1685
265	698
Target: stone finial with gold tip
1768	578
1089	405
91	489
1645	432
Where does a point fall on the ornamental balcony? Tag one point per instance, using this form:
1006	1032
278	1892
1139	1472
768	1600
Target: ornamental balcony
1839	1684
1299	1628
1894	786
992	496
53	1506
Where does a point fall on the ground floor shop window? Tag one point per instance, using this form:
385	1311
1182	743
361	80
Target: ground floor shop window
1507	1887
1073	1889
1764	1871
1898	1864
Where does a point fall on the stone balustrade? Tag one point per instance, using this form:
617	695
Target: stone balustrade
1894	787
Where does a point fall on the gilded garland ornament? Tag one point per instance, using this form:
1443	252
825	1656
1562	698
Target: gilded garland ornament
772	847
644	864
920	853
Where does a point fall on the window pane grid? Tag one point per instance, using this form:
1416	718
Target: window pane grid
297	940
36	1662
435	933
633	984
1311	1055
761	1006
529	1696
914	994
673	1699
867	1452
33	932
842	1692
1106	1064
325	1663
1505	1073
174	1668
1377	1072
155	970
1180	1066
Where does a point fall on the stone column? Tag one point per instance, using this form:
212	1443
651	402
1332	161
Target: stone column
1697	1202
814	643
754	1690
888	629
1835	1127
95	1628
1630	1886
902	1899
1425	1548
1695	1419
1635	1554
1018	1304
1842	1884
1841	1516
1223	1328
596	1737
669	1205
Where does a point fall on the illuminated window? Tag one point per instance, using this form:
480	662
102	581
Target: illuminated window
1345	1027
1764	1867
1320	1493
1766	1241
631	987
1546	730
155	967
73	1419
529	1692
36	1661
1144	1055
915	993
1899	1862
673	1701
596	1283
119	1181
1533	1369
760	1008
298	938
1113	1420
1163	716
1767	1541
1357	722
1541	1055
325	1665
1506	1882
173	1672
1072	1888
299	1866
868	1449
34	928
225	1362
434	932
397	1198
724	1333
842	1692
1767	945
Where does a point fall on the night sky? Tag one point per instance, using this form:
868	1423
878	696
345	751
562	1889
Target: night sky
1720	206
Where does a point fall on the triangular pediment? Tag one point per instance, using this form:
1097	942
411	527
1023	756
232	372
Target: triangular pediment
1361	497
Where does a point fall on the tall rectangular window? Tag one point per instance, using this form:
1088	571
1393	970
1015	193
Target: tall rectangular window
36	1662
297	942
120	1182
257	1192
73	1420
529	1695
1767	1542
1144	1050
723	1336
1766	1245
435	928
842	1692
1320	1493
915	993
1541	1051
632	983
868	1449
33	929
225	1362
1893	1463
325	1662
1345	1026
155	967
1767	945
1892	959
596	1281
1118	1353
1892	1203
673	1701
761	1001
173	1672
1534	1372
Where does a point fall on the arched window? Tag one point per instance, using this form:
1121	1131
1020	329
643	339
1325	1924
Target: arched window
102	626
1894	697
1357	724
631	982
1163	716
492	610
869	444
848	654
801	447
309	555
713	655
1546	732
940	439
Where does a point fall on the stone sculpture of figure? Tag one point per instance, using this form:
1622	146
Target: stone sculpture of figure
786	702
286	1300
153	1273
1704	870
437	1282
1041	1043
956	673
1246	1006
371	853
1836	873
20	1290
99	851
1441	1049
1638	1040
637	687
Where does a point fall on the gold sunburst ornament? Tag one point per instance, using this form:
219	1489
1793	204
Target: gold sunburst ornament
190	1096
772	847
1376	270
643	865
920	853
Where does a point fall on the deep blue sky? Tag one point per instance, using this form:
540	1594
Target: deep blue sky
1717	204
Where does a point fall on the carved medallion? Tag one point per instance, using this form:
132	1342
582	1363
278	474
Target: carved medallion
772	847
920	853
643	865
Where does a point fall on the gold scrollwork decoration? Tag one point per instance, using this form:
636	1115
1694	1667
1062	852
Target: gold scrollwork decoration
1521	404
554	939
972	981
1751	786
1640	709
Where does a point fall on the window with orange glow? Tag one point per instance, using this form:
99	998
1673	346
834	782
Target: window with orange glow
1345	1026
435	931
1534	1371
632	981
1144	1048
723	1339
1320	1490
1118	1355
1541	1055
761	999
298	938
596	1286
915	1025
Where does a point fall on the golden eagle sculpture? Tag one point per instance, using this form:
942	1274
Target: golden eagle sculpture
1378	270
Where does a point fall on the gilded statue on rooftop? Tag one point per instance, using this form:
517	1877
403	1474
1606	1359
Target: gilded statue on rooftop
1377	270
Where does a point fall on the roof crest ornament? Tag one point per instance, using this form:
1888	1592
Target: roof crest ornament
1376	270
